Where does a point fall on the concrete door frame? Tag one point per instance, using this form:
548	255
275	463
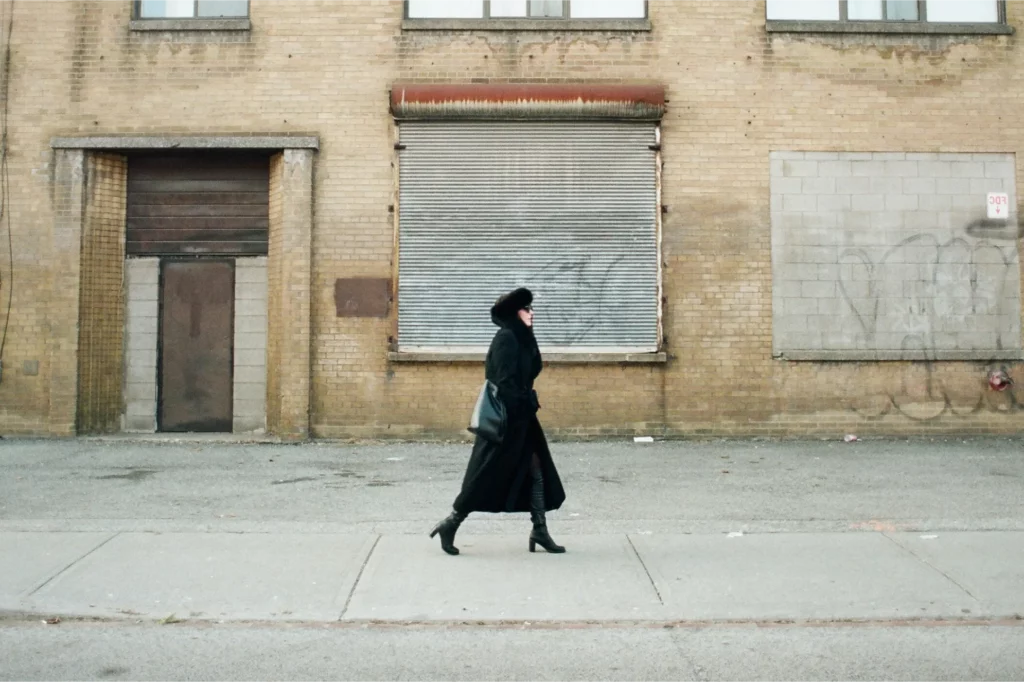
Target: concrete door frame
289	267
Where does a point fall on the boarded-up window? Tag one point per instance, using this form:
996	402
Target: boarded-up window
198	203
890	256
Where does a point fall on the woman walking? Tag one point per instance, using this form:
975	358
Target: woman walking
517	474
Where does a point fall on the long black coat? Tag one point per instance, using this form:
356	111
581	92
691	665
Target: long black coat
498	476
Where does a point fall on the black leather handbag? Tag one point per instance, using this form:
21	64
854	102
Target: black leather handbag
488	419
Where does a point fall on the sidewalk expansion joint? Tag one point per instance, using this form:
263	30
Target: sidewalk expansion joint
932	566
355	583
641	560
75	561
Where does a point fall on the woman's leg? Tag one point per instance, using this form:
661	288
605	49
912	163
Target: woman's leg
539	535
447	528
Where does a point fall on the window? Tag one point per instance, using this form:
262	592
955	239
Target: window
191	9
920	11
526	9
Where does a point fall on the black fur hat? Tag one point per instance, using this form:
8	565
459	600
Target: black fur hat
511	303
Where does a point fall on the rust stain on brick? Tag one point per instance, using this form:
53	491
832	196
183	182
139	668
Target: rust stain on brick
506	92
895	64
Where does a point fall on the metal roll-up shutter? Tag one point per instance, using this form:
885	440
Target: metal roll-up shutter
566	209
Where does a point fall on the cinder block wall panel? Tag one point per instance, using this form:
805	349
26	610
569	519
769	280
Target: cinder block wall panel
142	286
893	255
736	94
250	370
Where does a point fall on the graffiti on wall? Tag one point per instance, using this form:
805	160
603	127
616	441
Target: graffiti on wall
965	276
582	285
922	391
926	294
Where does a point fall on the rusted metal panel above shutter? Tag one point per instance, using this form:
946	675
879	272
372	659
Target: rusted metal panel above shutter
198	203
566	209
504	101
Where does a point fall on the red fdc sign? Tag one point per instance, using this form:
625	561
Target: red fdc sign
998	205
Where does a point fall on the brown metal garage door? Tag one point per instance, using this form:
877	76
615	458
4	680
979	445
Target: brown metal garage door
196	350
198	203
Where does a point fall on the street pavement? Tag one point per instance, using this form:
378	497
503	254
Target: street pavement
119	650
683	532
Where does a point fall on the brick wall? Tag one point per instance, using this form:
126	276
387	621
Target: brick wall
289	263
736	94
59	299
102	323
275	317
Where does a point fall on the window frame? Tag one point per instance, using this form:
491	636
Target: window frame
844	12
565	17
137	14
919	25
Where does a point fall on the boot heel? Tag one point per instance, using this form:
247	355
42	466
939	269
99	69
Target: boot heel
533	545
447	529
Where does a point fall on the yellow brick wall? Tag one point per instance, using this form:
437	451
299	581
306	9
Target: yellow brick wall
275	251
735	94
102	318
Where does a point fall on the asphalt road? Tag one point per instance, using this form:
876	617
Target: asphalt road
123	651
676	486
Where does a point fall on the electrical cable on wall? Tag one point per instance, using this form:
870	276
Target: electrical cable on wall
5	181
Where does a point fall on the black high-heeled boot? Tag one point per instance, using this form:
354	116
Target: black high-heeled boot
539	535
447	529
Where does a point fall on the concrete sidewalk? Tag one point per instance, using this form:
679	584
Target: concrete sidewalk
331	577
674	531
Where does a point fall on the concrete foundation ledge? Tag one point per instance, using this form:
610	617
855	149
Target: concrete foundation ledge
526	25
888	27
899	355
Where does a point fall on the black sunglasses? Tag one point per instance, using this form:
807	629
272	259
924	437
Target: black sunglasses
528	308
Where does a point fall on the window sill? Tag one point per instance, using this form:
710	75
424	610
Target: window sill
890	27
526	25
549	358
897	355
235	24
